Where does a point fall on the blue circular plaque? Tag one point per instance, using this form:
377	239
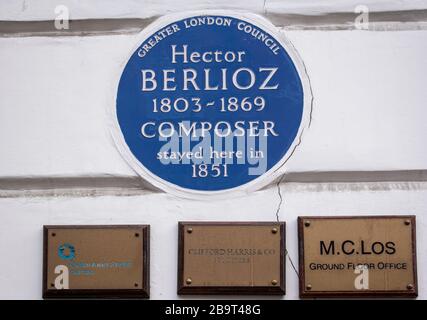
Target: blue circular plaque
210	103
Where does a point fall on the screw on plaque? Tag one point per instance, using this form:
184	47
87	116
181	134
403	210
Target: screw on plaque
188	281
137	235
307	223
407	222
308	287
274	282
190	230
136	285
410	286
274	230
53	234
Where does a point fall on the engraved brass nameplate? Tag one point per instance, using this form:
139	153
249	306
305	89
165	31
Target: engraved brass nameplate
231	258
96	261
357	256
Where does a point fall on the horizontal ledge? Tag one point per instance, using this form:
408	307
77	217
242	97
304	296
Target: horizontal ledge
14	187
354	176
378	21
57	183
76	27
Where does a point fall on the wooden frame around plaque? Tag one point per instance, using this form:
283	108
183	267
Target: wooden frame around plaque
137	290
273	284
306	290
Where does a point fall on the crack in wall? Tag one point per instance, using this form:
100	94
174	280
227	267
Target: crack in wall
278	220
279	192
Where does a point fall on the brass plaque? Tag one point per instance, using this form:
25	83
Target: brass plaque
231	258
357	256
96	261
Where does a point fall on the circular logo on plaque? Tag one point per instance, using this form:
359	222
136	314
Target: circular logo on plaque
210	103
66	251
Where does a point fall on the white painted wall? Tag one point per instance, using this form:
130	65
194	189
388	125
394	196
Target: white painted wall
21	221
369	115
